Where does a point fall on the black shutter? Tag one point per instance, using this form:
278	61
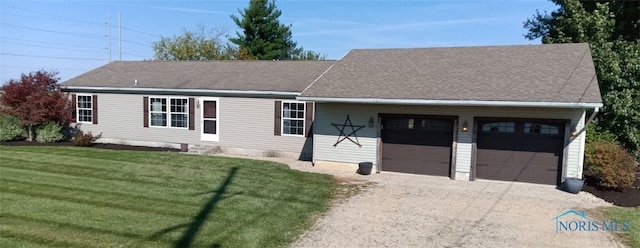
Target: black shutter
277	130
145	110
94	104
74	106
192	125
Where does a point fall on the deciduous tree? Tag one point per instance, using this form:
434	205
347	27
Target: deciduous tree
616	57
35	99
190	45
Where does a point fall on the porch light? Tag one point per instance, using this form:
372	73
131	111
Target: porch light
197	103
465	126
370	121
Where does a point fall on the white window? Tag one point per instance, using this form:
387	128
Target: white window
84	108
179	114
158	112
499	127
540	128
174	115
293	118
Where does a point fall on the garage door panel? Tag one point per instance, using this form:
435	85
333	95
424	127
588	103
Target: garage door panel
535	158
518	172
542	144
417	144
541	175
524	151
491	156
425	167
417	152
431	160
493	171
495	142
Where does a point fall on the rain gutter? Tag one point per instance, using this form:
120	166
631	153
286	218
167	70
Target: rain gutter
451	102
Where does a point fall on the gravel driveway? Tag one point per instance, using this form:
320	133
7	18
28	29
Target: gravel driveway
424	211
401	210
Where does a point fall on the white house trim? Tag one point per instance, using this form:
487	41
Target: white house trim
182	91
452	102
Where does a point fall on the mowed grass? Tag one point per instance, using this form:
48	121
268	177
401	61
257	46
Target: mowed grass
632	217
86	197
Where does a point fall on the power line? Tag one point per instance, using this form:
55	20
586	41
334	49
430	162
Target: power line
55	32
34	67
55	16
47	57
141	32
40	42
136	43
51	47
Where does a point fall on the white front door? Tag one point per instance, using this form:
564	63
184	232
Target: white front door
210	115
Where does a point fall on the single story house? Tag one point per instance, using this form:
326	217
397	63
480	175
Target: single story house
513	113
240	107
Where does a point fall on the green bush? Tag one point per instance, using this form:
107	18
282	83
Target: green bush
595	133
49	132
610	163
10	127
84	139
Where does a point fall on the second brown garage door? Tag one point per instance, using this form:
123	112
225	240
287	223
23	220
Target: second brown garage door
516	150
417	144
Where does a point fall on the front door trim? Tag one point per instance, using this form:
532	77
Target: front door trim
205	136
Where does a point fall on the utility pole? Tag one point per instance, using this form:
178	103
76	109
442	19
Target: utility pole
119	37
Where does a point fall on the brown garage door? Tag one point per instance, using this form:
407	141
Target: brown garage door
417	144
524	151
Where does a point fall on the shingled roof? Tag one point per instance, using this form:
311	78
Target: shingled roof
526	73
283	76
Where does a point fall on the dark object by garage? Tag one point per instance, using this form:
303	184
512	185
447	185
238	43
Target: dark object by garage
364	168
573	185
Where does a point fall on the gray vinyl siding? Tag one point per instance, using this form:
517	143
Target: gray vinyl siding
326	134
465	144
120	116
243	123
249	123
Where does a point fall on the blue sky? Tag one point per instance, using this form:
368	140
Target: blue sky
72	37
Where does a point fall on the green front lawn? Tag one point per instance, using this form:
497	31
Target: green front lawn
632	217
85	197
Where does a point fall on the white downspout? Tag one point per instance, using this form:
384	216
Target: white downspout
582	141
586	124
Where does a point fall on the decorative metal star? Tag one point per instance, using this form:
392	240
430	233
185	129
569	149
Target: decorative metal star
343	136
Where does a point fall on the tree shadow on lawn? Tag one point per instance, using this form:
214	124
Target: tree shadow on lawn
194	226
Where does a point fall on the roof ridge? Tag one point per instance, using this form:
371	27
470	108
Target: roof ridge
468	46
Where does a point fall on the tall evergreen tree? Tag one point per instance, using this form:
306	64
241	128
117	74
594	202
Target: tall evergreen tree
263	36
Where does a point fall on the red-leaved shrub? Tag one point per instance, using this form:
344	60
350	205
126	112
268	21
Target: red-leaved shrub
611	164
84	139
